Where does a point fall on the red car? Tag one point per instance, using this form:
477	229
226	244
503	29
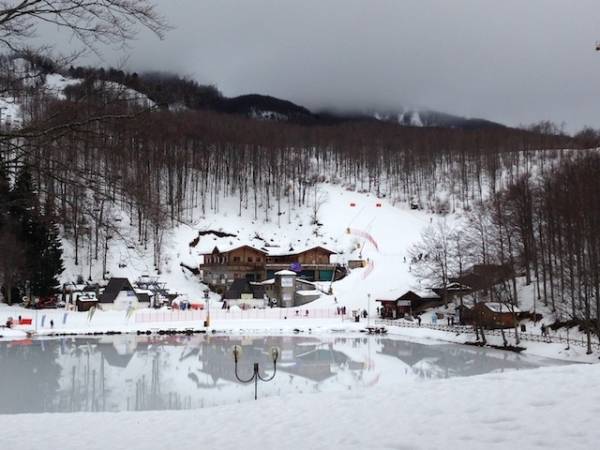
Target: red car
46	303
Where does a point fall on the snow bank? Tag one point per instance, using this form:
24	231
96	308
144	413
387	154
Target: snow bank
11	333
529	409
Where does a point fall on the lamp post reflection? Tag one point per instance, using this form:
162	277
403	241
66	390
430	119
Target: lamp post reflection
237	352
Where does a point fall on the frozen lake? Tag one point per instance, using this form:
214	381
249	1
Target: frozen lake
126	372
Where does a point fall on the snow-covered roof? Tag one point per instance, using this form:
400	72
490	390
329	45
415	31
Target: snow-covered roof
308	293
208	247
395	294
426	293
73	287
501	307
455	285
263	283
285	272
278	251
144	291
230	248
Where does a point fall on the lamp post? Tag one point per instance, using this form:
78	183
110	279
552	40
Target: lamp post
237	352
368	310
207	298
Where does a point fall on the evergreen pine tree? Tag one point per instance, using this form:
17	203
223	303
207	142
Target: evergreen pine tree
4	194
11	250
50	262
39	234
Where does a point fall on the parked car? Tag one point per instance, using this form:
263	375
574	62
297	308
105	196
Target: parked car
49	302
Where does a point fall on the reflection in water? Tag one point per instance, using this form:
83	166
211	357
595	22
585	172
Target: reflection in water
117	373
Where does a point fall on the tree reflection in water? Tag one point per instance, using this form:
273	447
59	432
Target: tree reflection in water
127	372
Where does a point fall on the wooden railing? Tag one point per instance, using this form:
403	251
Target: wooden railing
509	333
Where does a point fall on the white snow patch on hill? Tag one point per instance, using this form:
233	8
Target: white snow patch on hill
393	227
10	113
56	84
415	120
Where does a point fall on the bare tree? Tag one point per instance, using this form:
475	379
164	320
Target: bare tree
433	258
92	22
319	199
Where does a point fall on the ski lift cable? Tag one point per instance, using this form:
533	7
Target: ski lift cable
356	216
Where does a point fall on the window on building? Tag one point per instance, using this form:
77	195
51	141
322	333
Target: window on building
249	258
236	259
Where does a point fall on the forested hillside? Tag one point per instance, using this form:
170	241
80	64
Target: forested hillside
94	147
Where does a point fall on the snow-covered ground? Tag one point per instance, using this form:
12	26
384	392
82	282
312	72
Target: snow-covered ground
251	322
10	113
556	350
12	333
544	408
393	228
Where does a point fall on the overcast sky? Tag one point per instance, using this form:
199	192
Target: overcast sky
514	61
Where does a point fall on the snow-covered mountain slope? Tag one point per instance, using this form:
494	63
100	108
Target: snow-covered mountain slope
10	112
430	118
54	86
393	228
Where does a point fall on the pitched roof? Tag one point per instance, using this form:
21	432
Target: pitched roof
285	272
242	286
267	251
112	289
501	307
484	276
113	357
291	252
423	294
226	249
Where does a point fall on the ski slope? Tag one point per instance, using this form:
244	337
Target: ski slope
392	227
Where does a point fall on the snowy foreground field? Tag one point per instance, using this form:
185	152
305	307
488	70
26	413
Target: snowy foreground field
544	408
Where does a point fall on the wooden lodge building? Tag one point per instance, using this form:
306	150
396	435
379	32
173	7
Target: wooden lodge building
411	302
221	267
491	315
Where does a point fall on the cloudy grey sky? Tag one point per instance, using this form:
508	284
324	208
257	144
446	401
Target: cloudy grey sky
515	61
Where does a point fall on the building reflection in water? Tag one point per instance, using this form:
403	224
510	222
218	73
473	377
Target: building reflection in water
127	372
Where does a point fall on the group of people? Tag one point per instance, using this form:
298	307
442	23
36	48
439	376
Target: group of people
544	331
341	310
10	322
